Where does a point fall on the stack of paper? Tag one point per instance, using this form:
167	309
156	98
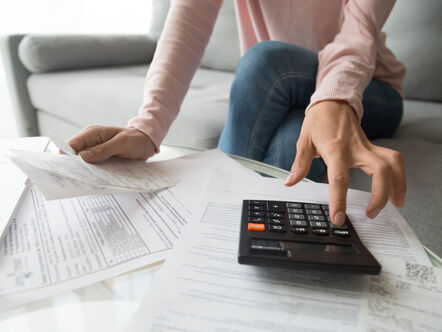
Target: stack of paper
59	245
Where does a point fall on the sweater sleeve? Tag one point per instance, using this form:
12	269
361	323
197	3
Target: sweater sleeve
347	64
185	35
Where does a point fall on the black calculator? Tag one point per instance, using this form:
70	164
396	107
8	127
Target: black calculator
300	236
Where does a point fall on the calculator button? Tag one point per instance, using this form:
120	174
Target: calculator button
256	214
292	210
256	208
275	207
299	230
327	212
275	214
260	203
315	218
300	223
296	216
309	211
320	231
344	226
321	224
311	206
256	227
258	220
324	206
294	205
276	221
276	228
341	233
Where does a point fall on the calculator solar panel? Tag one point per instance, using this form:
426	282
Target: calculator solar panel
300	236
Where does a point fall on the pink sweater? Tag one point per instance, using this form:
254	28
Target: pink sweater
346	33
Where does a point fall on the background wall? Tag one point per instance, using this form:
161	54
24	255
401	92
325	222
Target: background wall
65	16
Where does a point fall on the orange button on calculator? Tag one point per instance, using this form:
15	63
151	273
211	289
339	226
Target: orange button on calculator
256	227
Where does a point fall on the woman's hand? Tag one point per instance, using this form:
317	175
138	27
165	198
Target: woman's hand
331	131
98	143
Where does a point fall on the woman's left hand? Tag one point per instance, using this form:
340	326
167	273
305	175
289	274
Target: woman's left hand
332	131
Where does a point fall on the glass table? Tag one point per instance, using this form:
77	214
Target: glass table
109	305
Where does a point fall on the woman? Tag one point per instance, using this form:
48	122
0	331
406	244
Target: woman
316	80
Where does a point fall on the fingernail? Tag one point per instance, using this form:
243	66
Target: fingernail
85	155
339	218
373	214
290	178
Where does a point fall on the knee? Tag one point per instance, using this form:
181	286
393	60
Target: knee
265	63
274	58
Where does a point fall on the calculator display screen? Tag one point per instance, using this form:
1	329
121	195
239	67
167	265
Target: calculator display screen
294	247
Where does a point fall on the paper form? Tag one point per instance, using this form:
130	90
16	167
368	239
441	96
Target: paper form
59	245
63	176
12	179
201	286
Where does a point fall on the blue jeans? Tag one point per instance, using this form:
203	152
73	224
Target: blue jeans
272	88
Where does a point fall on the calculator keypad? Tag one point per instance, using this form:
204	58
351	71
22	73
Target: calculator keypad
302	218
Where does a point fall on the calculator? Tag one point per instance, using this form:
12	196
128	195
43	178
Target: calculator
300	236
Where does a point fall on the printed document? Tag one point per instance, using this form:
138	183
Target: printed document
59	245
202	287
68	175
12	179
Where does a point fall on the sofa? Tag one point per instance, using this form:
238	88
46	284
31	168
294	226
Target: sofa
61	83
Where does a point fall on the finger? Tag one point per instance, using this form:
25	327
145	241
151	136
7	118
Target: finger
338	179
303	160
380	188
399	179
101	152
91	136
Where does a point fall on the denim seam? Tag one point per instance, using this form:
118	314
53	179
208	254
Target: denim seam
276	161
269	95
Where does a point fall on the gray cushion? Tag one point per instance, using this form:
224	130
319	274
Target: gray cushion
423	208
222	52
421	120
110	96
414	33
17	75
44	53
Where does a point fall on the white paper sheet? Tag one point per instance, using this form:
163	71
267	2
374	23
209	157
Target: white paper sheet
12	179
63	176
59	245
201	286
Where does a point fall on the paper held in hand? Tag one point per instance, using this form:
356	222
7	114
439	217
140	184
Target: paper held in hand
67	175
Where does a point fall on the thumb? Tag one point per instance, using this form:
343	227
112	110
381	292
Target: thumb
100	152
303	160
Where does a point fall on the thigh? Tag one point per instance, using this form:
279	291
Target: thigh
383	109
282	148
272	78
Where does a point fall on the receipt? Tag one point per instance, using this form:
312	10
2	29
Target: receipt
405	297
63	176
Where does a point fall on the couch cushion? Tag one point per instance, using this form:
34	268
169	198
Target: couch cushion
421	120
423	208
43	53
414	34
110	96
222	52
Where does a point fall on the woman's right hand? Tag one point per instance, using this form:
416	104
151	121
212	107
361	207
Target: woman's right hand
97	143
